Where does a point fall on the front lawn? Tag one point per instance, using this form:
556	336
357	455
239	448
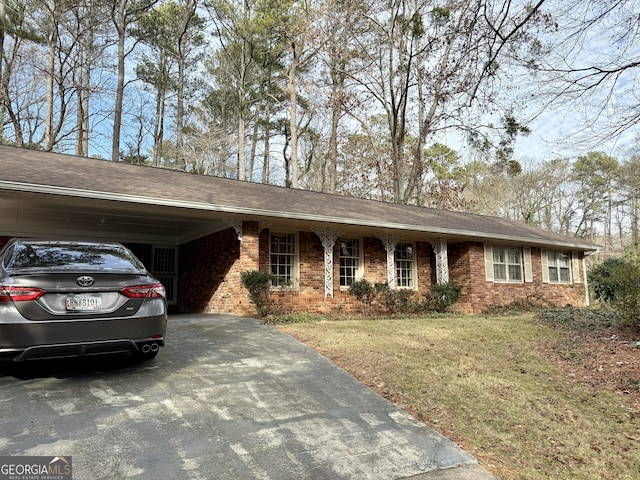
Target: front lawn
512	391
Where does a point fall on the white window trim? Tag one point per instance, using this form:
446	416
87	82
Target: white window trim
575	266
295	268
414	268
525	258
572	261
360	271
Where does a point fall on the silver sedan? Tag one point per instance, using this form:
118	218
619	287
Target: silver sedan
65	299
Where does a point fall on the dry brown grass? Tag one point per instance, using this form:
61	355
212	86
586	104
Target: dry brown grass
499	386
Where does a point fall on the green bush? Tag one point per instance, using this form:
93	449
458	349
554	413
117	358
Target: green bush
626	300
363	291
578	319
442	296
616	282
258	284
399	301
602	280
290	318
439	299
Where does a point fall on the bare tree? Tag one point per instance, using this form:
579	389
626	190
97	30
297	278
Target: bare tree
445	56
123	13
20	40
305	42
592	59
190	38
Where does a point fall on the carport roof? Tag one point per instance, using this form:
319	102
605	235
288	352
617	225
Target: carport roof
189	204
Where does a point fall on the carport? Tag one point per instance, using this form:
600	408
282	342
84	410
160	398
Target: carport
50	197
153	232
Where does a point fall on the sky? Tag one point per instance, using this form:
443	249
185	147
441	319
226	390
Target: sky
558	134
611	42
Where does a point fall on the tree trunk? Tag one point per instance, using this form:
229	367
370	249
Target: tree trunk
293	117
51	65
188	12
254	143
85	107
79	106
241	154
267	138
120	24
180	161
336	110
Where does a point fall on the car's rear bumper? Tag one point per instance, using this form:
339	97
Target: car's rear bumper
67	350
60	338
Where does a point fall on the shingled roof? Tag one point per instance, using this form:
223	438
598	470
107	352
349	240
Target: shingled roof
38	172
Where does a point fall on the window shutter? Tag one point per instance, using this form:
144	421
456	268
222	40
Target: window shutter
528	271
488	262
575	266
545	266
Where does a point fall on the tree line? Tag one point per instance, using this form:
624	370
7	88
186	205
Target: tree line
594	196
343	96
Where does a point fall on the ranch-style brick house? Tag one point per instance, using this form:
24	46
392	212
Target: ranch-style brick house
198	233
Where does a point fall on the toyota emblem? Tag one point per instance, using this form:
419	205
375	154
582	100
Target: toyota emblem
84	281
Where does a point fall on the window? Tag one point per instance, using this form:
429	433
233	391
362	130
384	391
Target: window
350	261
283	255
507	264
405	265
74	256
559	265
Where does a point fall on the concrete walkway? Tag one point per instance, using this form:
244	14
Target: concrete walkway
227	398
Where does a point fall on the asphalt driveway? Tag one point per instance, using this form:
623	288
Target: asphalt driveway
227	398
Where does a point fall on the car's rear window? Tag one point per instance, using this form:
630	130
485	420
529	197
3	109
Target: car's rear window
77	256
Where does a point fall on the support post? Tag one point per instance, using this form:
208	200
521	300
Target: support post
442	260
328	239
390	242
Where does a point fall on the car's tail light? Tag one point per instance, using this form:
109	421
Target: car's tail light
20	294
144	291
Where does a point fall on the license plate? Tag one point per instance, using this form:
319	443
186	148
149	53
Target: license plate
85	302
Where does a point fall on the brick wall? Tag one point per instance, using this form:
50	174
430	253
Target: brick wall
209	275
425	267
466	267
210	268
203	269
310	296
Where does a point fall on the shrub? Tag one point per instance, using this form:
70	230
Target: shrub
363	291
626	300
578	319
616	281
601	278
257	283
399	301
442	296
290	318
